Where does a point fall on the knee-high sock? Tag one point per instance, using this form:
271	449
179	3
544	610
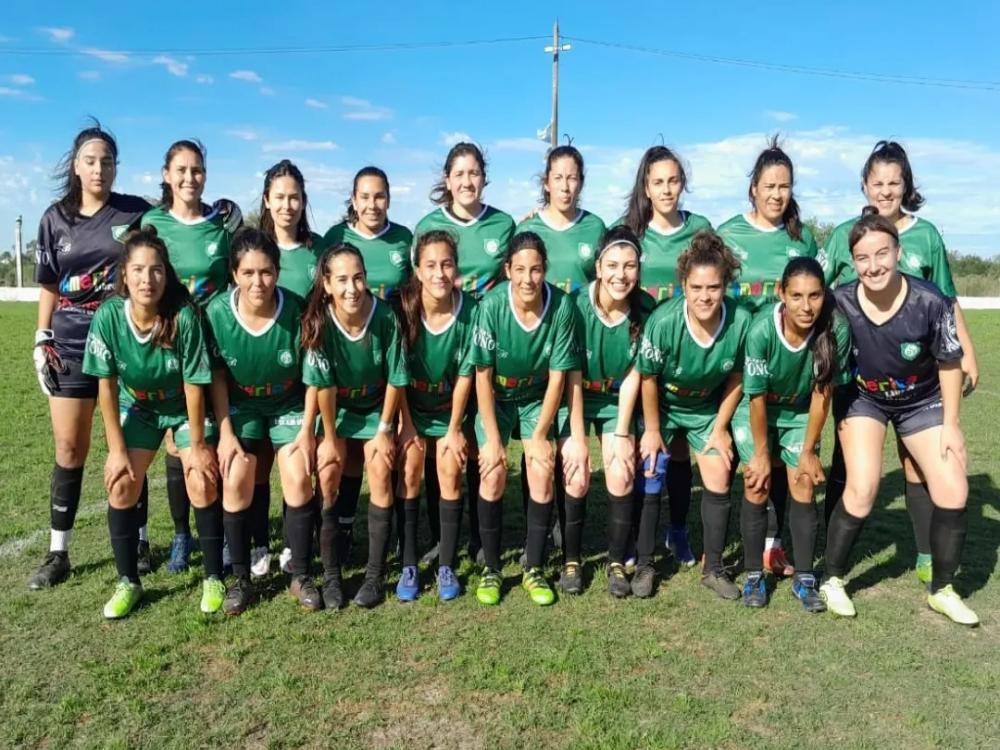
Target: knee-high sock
411	519
679	478
778	503
237	526
451	518
328	541
921	511
124	533
210	537
947	540
490	522
177	496
260	508
576	513
840	537
803	519
300	522
619	527
836	480
539	523
753	527
715	528
64	501
649	521
379	521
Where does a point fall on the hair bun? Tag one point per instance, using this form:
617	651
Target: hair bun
869	211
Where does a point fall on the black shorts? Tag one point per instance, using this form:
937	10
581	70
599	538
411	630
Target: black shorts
73	383
907	419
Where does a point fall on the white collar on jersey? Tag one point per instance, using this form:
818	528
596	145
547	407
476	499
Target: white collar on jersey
776	317
364	328
759	228
672	231
546	290
718	328
597	311
455	220
267	326
365	236
187	222
142	339
546	222
456	308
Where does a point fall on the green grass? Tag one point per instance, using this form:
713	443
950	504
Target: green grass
680	670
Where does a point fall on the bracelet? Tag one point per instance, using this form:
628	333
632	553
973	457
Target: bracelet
384	427
618	434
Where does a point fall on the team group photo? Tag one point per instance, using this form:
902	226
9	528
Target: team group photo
562	418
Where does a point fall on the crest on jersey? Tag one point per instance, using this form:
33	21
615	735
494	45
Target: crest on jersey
118	231
286	358
585	249
172	364
792	252
913	262
492	247
396	258
728	365
909	350
547	349
212	248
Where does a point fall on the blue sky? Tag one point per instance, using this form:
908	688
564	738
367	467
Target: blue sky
401	108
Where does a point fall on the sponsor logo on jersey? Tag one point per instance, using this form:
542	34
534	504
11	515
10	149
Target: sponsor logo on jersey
212	248
290	420
318	360
172	364
682	392
886	387
757	367
118	232
648	351
63	245
286	358
792	252
492	247
101	280
97	348
909	350
268	389
728	365
397	259
585	250
483	339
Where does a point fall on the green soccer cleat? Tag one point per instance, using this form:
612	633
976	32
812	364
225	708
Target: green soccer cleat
538	588
488	591
947	602
213	592
835	595
924	568
123	601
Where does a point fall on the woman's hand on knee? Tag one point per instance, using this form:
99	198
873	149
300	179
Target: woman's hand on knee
116	468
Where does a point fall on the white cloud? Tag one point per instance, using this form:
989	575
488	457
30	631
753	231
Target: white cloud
532	145
266	91
246	75
106	55
316	103
244	134
18	94
389	138
88	75
173	66
299	145
204	79
146	178
778	116
458	136
362	109
59	34
353	101
20	79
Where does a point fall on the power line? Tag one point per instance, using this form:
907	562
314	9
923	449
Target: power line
800	69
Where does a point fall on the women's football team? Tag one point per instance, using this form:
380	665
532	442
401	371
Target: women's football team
414	359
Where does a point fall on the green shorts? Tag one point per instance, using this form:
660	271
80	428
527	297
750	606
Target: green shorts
280	428
601	418
696	427
354	425
788	436
145	430
434	424
511	417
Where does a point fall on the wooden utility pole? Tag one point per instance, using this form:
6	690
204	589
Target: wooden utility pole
554	50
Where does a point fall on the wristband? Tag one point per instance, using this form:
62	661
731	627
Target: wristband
384	427
44	336
619	435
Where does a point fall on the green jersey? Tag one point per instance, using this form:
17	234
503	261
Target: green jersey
923	255
660	252
482	242
763	255
607	349
199	250
386	254
691	373
263	368
360	367
150	377
439	358
571	251
522	357
298	266
783	373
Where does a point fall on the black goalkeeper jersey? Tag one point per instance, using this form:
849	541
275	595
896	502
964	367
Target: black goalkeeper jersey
896	363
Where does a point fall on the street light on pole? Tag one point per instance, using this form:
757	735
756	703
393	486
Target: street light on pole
554	50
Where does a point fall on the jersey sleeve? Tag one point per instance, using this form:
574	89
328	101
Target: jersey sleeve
810	242
565	344
652	348
465	366
756	375
195	366
944	343
743	327
842	366
46	257
482	348
940	271
397	370
316	369
834	257
98	359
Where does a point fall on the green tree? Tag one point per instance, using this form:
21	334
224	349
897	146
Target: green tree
820	230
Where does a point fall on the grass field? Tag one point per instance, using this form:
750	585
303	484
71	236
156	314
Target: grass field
680	670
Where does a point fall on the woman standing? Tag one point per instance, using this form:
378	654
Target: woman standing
146	347
79	247
907	366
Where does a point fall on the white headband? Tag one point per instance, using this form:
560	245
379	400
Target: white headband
627	243
88	141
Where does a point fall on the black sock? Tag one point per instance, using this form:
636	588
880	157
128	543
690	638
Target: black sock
347	501
836	480
472	483
715	528
124	533
576	512
840	537
300	523
379	521
142	504
328	540
947	540
490	519
64	494
921	510
525	491
260	508
649	520
432	491
679	479
539	523
177	496
398	521
619	527
411	513
451	517
803	519
237	527
778	502
210	538
559	499
753	527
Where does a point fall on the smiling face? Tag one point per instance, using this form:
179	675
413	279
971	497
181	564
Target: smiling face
704	290
465	181
526	271
664	185
803	297
256	278
371	202
563	184
618	271
876	257
345	283
437	270
185	174
95	166
145	276
773	192
285	202
884	188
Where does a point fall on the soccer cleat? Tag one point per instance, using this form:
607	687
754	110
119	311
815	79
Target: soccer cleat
804	589
430	556
925	569
836	598
180	553
571	578
305	591
721	584
260	562
777	562
679	547
285	560
644	582
408	588
618	585
947	602
447	584
145	560
755	590
238	597
488	590
53	570
537	587
212	595
123	601
370	594
333	591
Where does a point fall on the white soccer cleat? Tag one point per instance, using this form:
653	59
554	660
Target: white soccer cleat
835	595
